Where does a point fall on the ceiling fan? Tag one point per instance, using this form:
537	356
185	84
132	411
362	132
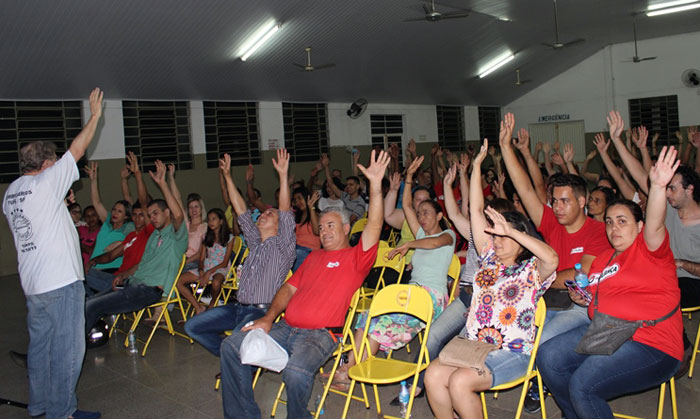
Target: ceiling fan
519	82
637	58
308	67
432	14
558	44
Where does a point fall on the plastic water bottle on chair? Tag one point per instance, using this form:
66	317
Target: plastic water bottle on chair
404	396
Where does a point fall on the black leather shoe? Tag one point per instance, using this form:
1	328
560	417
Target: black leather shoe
19	359
396	401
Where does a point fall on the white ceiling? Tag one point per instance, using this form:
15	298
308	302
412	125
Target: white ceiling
177	49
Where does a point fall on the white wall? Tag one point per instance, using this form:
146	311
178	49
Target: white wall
605	81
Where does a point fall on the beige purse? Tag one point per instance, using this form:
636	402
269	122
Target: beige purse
462	352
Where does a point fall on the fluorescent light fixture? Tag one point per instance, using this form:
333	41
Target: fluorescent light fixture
669	4
659	12
496	64
258	39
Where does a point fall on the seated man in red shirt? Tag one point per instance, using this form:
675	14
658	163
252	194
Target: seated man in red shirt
315	299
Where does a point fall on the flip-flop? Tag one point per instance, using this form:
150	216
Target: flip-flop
340	386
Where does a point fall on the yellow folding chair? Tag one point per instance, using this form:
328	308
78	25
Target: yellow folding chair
346	343
453	273
382	261
689	311
359	226
395	298
230	283
530	373
173	297
660	409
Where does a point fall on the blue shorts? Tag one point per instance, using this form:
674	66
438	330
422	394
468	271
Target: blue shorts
506	366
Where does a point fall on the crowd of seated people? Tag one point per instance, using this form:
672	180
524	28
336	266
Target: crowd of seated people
527	225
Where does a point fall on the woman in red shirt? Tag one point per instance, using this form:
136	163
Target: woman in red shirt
636	280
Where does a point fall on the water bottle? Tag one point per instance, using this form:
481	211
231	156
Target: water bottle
404	396
132	343
580	277
317	405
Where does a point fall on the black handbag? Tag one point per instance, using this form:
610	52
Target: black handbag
607	333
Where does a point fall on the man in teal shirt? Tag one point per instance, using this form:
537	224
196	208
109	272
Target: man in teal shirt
145	283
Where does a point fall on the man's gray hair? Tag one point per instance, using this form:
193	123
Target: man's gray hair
33	155
344	215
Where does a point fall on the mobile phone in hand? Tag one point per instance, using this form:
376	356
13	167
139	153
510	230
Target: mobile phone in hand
572	285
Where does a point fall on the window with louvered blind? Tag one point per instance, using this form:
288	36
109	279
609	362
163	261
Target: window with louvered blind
657	114
158	131
305	130
387	129
232	127
22	122
450	121
489	123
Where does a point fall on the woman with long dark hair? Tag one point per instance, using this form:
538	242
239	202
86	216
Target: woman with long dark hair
307	223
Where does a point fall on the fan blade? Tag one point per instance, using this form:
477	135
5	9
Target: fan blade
502	19
647	58
454	15
299	65
324	66
414	19
552	46
574	42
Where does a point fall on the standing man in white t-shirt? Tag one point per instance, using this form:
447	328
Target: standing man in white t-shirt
50	270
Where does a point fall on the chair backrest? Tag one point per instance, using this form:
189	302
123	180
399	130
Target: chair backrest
236	249
382	261
453	273
177	277
540	315
402	298
359	226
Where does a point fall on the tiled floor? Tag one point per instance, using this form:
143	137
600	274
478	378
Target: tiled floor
176	380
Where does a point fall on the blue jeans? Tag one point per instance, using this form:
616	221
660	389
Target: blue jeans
561	321
308	350
206	328
446	326
97	281
130	298
581	384
55	320
302	253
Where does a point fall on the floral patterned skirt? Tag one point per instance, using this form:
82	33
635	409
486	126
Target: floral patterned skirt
393	331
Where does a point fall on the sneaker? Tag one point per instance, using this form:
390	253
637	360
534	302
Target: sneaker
532	401
83	414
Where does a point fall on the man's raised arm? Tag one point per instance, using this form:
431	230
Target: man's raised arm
173	205
282	167
83	140
530	200
237	200
375	218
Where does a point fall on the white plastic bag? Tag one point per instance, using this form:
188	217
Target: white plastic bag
259	349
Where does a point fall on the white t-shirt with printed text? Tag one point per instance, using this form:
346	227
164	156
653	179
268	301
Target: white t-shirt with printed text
48	249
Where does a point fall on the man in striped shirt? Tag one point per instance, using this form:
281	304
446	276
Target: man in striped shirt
272	245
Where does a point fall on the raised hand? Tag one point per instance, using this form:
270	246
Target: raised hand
501	227
411	146
395	181
557	159
655	138
662	172
356	156
434	149
325	161
225	165
539	146
569	153
159	176
91	170
482	153
249	173
415	165
438	153
377	166
616	124
546	147
679	136
600	143
592	155
555	147
463	164
171	170
124	172
695	140
394	151
400	251
523	141
96	102
133	162
450	176
282	162
317	168
499	185
640	139
313	199
506	133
